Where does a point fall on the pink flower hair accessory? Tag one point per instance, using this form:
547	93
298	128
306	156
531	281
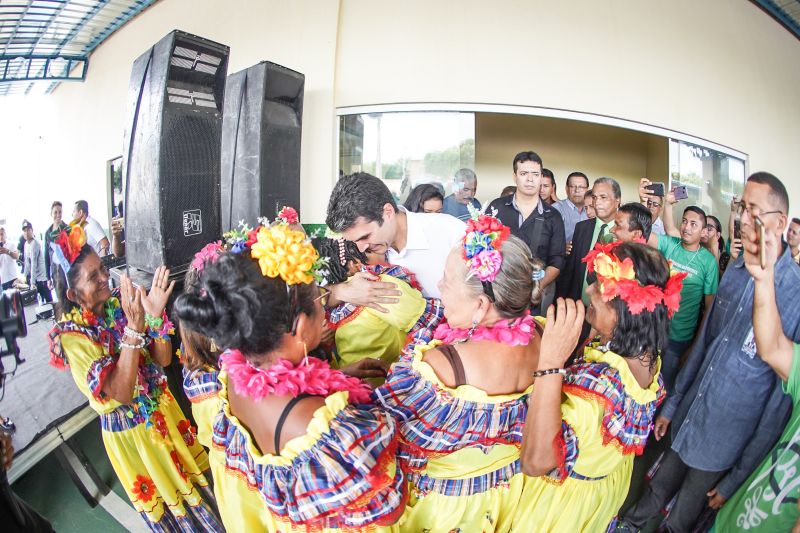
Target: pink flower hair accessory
209	252
284	378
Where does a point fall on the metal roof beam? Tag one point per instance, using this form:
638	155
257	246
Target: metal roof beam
71	68
778	13
16	28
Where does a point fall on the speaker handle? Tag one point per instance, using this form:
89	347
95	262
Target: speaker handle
235	145
133	134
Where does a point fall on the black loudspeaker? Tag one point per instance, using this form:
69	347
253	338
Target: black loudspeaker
261	132
172	149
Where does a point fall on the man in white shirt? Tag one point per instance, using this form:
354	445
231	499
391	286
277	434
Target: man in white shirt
95	236
363	210
8	262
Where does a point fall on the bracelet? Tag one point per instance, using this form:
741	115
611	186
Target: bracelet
133	333
137	346
159	328
540	373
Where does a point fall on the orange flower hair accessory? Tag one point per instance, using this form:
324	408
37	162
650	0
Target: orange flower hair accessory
617	278
67	247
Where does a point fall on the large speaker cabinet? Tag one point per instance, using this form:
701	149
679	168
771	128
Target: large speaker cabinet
171	158
261	133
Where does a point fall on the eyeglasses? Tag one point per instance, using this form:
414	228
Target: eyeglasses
712	227
577	187
324	296
653	204
754	212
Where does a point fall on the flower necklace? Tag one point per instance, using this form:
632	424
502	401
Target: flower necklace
315	377
511	332
110	327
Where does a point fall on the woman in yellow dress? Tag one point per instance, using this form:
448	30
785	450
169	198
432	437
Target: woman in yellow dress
460	401
301	435
586	422
116	348
362	332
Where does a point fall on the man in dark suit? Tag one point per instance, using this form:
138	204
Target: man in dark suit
572	281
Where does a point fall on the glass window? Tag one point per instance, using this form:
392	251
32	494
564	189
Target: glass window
406	149
711	178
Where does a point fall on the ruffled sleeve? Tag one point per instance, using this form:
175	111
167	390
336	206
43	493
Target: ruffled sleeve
90	367
435	420
606	416
341	474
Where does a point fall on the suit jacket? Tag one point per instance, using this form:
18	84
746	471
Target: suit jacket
570	281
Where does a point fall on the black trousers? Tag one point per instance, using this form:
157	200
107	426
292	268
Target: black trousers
44	291
674	476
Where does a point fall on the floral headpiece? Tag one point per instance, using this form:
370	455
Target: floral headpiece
617	278
485	235
67	247
209	252
280	250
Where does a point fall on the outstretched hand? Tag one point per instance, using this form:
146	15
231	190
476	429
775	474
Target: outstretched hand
751	243
131	301
156	300
561	332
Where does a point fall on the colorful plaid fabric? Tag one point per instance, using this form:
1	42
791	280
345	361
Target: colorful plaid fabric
198	517
625	421
200	384
97	374
346	479
433	422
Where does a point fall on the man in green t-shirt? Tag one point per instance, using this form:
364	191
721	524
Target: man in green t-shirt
682	247
768	500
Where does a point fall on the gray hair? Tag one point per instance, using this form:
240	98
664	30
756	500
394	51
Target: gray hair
464	174
614	186
514	288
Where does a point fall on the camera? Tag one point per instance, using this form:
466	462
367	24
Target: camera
12	327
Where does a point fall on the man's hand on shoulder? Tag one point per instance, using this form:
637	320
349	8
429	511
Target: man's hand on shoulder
367	290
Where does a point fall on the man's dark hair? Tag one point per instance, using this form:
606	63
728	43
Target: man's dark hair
547	173
523	157
508	190
82	205
55	204
796	220
357	195
695	209
777	192
614	186
639	217
581	174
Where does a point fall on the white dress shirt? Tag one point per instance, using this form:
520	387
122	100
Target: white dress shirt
429	240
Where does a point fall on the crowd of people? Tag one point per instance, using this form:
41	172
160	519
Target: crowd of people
438	366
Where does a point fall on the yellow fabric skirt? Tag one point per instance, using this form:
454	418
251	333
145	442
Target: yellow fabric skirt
155	470
575	505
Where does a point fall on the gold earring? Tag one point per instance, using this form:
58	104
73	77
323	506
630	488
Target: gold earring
305	352
214	346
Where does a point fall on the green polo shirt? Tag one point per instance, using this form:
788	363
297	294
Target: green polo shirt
606	234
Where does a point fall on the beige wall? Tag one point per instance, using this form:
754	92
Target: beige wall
719	69
564	146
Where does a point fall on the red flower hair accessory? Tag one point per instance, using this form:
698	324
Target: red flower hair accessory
71	240
617	278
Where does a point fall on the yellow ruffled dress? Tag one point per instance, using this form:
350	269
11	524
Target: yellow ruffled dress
340	476
363	332
606	420
459	448
153	449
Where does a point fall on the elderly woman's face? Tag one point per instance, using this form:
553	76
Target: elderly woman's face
458	300
600	315
91	288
